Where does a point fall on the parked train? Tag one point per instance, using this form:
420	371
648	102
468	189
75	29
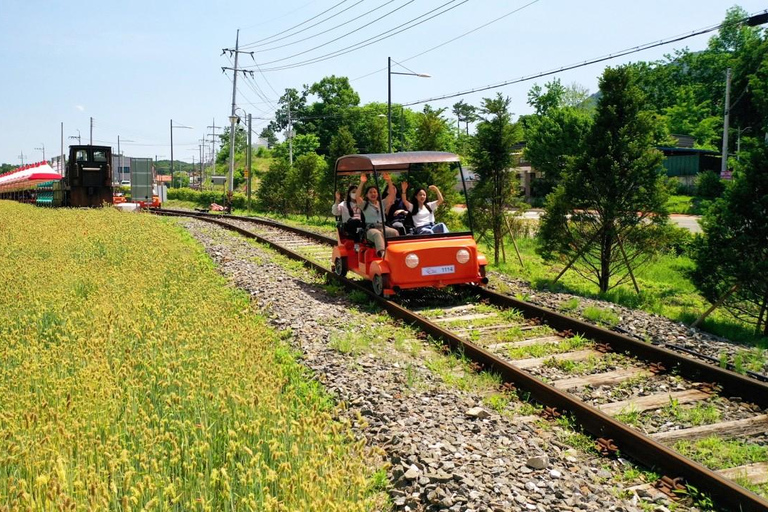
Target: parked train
410	260
87	180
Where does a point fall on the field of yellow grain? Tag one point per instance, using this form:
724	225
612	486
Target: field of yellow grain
132	377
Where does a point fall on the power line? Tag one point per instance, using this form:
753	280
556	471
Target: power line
451	40
279	17
305	29
610	56
371	40
347	34
296	26
330	29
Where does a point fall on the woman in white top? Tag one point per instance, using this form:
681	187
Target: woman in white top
351	217
371	208
423	212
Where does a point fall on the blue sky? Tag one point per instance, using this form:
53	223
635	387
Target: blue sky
134	66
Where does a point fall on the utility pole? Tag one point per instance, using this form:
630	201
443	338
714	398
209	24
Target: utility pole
91	131
21	157
233	118
119	162
201	148
290	133
248	164
41	149
724	161
213	135
79	142
61	162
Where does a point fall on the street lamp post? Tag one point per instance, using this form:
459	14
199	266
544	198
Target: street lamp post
389	93
172	127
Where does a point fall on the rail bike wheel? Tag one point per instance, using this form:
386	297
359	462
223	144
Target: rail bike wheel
380	283
340	266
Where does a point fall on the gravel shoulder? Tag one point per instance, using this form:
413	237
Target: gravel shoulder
443	447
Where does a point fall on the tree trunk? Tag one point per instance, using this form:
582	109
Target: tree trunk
605	261
762	314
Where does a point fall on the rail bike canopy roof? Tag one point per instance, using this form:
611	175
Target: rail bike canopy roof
353	164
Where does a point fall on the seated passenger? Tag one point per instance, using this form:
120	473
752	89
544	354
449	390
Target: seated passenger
351	218
422	212
371	208
396	214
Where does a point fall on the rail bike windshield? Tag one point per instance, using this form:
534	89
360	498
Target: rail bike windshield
434	202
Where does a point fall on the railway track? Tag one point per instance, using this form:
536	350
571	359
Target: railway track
633	397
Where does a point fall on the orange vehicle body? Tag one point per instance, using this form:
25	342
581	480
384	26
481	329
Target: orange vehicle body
409	261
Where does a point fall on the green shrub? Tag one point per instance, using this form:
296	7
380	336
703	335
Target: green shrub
206	197
709	185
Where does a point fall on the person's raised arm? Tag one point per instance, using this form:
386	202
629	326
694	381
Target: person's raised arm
335	207
391	191
439	195
359	194
404	194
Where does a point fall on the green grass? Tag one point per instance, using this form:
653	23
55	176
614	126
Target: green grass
687	205
718	453
601	316
665	289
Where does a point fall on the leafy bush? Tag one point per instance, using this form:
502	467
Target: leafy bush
206	197
709	185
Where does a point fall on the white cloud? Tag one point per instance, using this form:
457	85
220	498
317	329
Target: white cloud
80	108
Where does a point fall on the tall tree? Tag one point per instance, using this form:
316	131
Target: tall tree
465	113
268	134
491	155
434	134
272	194
343	143
608	214
298	112
304	183
733	253
336	101
552	141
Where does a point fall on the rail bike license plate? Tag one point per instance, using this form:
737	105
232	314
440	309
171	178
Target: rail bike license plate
436	271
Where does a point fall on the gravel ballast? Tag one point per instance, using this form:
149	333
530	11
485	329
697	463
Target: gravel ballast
444	449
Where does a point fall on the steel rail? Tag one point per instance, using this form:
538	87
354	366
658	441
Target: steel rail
628	440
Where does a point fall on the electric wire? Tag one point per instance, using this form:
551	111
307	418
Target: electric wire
296	26
569	67
371	40
328	30
451	40
253	45
347	34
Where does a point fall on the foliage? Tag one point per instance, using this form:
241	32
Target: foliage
269	135
368	127
465	113
734	248
272	194
204	198
709	185
302	144
608	213
553	140
492	158
304	183
343	143
138	379
432	131
325	117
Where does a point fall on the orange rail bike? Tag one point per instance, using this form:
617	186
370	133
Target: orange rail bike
409	260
